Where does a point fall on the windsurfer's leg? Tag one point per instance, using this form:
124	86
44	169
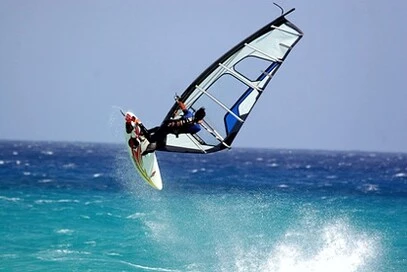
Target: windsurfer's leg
144	131
133	143
150	148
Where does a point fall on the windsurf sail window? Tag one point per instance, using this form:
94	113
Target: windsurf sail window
231	86
251	66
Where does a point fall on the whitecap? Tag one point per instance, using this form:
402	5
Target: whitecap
8	256
45	180
67	201
136	215
26	173
12	199
57	254
344	164
92	243
283	186
97	175
64	231
1	162
42	201
48	201
400	175
47	153
69	165
370	187
331	177
15	153
113	254
93	202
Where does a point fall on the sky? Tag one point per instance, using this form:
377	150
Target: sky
67	66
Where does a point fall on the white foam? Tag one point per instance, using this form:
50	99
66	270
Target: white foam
92	243
340	250
333	247
49	201
12	199
69	165
143	267
45	181
64	231
370	187
400	175
113	254
58	254
136	215
331	177
8	256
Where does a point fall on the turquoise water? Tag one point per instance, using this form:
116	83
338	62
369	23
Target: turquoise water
81	207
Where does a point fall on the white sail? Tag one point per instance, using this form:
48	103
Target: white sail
231	86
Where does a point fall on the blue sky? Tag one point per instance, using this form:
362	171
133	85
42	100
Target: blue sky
66	65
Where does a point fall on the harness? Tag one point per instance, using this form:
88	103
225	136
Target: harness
181	123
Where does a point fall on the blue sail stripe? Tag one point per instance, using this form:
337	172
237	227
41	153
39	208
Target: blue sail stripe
230	120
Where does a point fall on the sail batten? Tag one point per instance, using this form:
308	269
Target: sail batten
218	102
240	77
262	52
285	30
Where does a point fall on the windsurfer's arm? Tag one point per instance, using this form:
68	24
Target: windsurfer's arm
179	102
181	105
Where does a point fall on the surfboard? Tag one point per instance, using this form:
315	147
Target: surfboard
146	165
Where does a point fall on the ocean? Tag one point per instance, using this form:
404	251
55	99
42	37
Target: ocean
82	207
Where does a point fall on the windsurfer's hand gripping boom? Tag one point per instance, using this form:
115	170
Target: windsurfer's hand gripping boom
180	104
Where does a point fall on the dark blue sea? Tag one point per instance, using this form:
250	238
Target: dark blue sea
82	207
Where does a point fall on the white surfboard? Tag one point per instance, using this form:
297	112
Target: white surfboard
146	165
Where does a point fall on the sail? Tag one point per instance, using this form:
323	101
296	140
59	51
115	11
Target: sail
231	86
